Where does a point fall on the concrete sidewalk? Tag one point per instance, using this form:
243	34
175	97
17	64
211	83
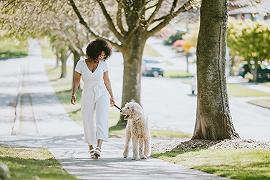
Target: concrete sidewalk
72	153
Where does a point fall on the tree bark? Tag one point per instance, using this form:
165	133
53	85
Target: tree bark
57	61
213	118
187	66
64	54
76	58
63	68
254	71
132	55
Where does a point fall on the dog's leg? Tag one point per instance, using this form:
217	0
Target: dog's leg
135	148
126	147
141	148
147	146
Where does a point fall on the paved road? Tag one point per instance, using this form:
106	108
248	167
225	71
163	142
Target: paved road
173	60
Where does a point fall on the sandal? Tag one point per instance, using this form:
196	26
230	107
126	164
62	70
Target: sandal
92	154
97	152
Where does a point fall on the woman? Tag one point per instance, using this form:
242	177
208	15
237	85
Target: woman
95	94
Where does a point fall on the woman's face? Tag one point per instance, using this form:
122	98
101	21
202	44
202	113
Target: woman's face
102	56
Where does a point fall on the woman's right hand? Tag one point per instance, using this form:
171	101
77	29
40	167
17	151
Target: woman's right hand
73	99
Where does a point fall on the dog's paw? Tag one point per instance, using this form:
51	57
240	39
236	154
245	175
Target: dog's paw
135	158
125	155
143	157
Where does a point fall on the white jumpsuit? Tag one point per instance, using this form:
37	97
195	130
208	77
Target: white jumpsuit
95	98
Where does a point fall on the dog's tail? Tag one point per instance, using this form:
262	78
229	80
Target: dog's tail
147	147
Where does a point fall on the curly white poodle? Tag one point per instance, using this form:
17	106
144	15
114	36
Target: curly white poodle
137	130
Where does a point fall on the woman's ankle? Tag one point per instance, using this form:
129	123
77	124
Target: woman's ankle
91	147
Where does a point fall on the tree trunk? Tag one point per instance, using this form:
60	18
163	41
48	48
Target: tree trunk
232	64
57	61
64	53
63	68
187	67
76	58
213	118
254	71
132	55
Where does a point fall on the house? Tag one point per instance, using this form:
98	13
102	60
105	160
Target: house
255	10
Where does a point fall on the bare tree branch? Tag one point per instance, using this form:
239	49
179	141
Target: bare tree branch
83	22
171	11
150	19
150	7
119	18
110	21
173	6
167	18
147	2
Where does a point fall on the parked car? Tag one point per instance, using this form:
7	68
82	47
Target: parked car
243	70
152	67
263	72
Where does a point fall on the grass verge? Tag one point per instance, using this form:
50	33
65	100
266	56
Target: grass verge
151	52
117	131
261	102
236	164
62	88
266	84
11	54
239	90
25	163
177	74
13	48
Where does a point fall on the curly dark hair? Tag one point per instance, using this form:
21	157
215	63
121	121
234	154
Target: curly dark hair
95	48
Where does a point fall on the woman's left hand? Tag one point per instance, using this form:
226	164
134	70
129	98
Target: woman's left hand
112	102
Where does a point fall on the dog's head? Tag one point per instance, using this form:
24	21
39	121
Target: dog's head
132	110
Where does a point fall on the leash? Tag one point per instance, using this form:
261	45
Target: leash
117	107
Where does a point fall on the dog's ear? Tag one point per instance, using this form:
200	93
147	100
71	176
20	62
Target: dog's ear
132	100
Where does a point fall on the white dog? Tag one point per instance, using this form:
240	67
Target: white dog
137	129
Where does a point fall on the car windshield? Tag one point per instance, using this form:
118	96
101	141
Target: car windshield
151	61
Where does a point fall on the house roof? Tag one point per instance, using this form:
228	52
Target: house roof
241	3
260	8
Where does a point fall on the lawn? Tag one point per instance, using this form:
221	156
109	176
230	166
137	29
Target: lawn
177	74
261	102
151	52
235	164
62	88
27	164
266	84
239	90
13	48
